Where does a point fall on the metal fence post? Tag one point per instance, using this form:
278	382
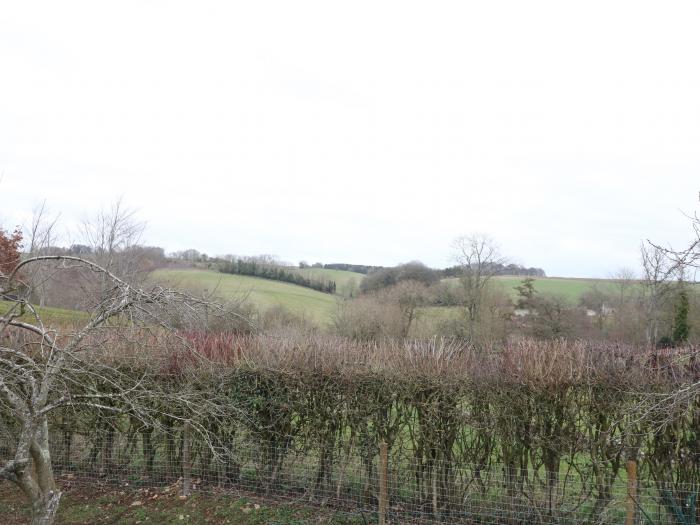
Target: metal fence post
631	492
383	481
186	461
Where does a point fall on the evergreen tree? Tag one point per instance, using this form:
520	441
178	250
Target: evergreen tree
526	293
681	327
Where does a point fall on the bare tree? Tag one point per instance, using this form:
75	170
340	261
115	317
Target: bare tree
112	234
687	259
41	237
553	316
44	369
409	296
624	279
659	273
663	268
479	257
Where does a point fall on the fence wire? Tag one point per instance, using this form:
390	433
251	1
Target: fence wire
348	480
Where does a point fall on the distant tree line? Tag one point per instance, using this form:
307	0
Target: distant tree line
357	268
385	277
155	253
266	269
498	269
191	255
380	277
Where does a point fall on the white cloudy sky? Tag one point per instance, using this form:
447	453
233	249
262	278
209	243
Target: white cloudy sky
368	132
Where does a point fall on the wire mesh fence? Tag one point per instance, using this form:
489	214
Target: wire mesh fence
352	479
529	433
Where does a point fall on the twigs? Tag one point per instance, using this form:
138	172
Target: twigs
77	371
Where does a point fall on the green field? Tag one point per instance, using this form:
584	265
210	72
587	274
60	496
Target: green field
569	287
319	307
263	293
48	315
311	304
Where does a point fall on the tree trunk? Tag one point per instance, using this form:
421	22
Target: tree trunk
45	507
37	480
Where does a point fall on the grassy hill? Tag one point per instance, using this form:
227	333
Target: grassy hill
316	306
49	316
320	307
570	287
264	293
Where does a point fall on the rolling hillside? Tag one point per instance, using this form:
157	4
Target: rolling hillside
264	293
319	307
569	287
314	305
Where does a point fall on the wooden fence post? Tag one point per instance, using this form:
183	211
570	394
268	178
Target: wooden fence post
383	482
631	492
186	461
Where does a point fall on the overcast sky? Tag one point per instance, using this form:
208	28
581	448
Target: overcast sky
365	132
